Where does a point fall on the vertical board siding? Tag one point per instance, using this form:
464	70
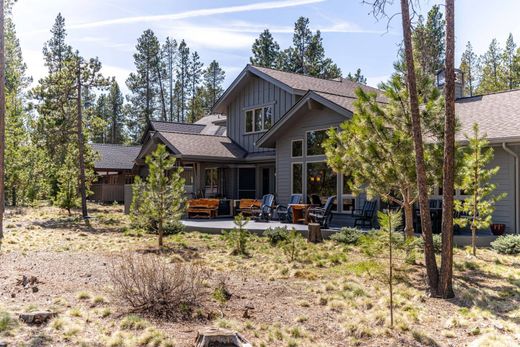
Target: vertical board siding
257	92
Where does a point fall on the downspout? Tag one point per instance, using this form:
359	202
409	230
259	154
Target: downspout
517	185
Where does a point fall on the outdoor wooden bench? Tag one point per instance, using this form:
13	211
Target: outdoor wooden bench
206	208
245	206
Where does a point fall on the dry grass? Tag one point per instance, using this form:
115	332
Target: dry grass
330	295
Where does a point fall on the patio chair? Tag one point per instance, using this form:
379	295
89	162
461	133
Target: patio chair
265	212
323	214
364	217
284	213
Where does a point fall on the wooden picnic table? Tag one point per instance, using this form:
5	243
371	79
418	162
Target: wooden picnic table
300	213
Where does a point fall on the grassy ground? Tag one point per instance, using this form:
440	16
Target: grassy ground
331	295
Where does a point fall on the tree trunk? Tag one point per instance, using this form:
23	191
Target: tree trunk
2	121
474	239
426	224
81	147
408	220
448	173
390	273
161	89
314	235
161	233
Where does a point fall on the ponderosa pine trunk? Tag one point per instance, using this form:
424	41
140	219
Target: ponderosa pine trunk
161	233
2	121
448	173
426	224
81	146
408	220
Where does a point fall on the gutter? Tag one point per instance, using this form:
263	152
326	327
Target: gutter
517	185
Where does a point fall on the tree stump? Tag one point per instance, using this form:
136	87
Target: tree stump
314	234
36	318
215	337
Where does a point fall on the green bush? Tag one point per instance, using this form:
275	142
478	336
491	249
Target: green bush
437	243
238	238
276	235
507	244
293	245
347	235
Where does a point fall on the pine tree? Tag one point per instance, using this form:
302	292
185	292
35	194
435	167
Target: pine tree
469	68
56	51
302	39
213	76
182	86
67	196
429	42
480	204
158	202
144	83
265	50
170	55
510	65
375	148
195	75
491	72
115	102
357	77
102	112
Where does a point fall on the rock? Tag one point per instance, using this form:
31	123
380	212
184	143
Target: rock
35	289
36	317
220	337
13	295
3	344
248	307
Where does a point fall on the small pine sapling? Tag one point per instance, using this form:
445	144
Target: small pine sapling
238	237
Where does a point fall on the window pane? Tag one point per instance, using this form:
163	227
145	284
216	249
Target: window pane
297	179
258	119
314	141
249	121
321	182
187	174
297	148
346	186
268	117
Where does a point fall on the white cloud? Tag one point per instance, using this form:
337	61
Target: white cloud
373	81
121	74
213	37
269	5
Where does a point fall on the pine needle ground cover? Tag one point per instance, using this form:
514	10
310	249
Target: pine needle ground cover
329	294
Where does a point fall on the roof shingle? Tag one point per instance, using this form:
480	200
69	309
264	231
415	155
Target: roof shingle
208	146
115	157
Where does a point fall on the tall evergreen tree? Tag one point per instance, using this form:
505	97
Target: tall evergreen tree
429	41
144	83
115	102
491	71
182	85
469	68
357	77
510	64
213	76
195	75
170	56
265	50
56	51
302	39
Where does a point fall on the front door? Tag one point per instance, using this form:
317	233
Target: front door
246	183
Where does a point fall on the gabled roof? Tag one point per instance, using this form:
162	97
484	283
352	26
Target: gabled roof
498	115
115	157
340	104
293	83
177	127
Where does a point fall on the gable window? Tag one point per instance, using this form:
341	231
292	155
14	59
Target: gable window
297	148
259	119
315	139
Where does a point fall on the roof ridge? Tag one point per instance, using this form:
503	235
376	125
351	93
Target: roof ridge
114	144
168	122
188	133
491	93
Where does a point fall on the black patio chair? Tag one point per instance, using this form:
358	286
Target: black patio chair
264	213
365	216
322	215
284	213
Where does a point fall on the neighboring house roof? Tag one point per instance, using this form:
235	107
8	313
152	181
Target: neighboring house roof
115	157
202	146
497	114
340	104
177	127
293	83
214	124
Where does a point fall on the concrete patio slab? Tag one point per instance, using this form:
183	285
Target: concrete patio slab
215	226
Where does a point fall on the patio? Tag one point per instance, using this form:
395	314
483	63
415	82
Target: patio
215	226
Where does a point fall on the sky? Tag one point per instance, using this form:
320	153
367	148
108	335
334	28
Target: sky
225	29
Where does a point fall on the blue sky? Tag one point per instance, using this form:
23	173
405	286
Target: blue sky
225	29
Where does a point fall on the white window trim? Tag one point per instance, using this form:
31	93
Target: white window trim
292	176
253	109
305	141
292	142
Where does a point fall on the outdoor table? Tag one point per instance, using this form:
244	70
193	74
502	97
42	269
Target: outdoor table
300	213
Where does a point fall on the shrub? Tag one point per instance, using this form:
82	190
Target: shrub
238	237
507	244
437	243
149	285
349	236
276	235
293	244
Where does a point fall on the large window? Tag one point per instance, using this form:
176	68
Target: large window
259	119
297	178
297	148
187	174
211	182
315	139
349	200
321	183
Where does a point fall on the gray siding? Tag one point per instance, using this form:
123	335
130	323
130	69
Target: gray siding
311	120
257	92
505	182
